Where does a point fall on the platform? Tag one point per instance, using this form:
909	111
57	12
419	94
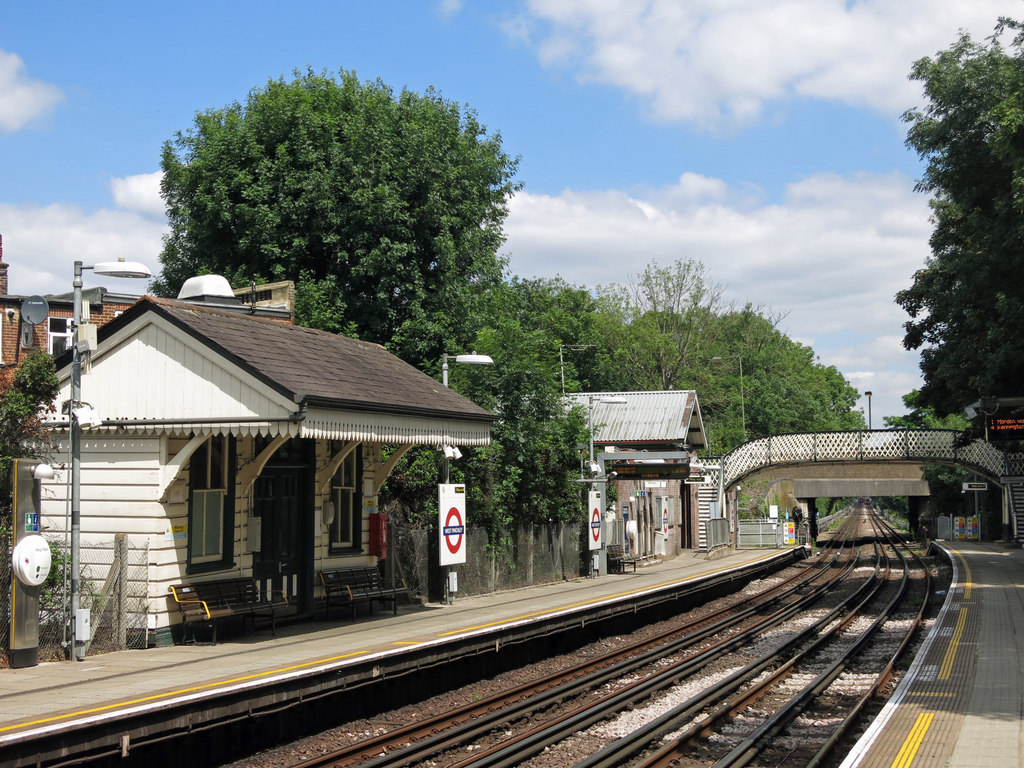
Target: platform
109	691
960	703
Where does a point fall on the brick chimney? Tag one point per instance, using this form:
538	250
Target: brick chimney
3	269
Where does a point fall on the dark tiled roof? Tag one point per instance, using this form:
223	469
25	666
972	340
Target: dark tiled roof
308	364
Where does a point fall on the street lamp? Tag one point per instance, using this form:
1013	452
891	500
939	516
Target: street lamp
452	452
118	268
743	406
471	359
592	465
868	395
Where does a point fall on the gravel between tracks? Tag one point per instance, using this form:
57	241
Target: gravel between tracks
566	753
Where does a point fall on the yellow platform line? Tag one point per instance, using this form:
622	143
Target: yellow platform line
172	694
913	743
602	599
317	662
954	645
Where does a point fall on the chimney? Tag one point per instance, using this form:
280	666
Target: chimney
3	269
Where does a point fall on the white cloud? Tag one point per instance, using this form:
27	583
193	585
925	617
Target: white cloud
42	243
717	63
140	193
833	254
450	7
23	99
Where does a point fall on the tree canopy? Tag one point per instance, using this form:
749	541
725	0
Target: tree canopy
25	392
385	209
967	303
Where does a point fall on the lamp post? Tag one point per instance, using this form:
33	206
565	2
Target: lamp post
868	395
470	359
743	406
118	268
591	465
453	452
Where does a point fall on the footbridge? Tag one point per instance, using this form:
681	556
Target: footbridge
903	450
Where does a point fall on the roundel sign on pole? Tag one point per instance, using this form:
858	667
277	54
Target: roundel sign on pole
451	523
594	519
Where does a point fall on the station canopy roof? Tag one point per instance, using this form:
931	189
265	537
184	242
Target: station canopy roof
174	367
664	420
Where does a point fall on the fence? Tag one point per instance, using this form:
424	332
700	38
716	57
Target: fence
522	557
114	587
718	533
766	533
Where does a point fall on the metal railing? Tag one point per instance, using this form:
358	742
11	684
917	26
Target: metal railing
931	446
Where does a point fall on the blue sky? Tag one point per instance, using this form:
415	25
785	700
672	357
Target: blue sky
761	137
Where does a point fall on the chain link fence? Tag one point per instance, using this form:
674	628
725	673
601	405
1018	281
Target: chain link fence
114	587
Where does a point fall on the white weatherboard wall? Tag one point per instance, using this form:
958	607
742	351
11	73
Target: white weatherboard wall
157	371
120	481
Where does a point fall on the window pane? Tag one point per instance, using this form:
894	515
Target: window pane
199	467
208	523
217	462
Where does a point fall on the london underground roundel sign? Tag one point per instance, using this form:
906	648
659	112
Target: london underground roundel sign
453	530
451	523
594	519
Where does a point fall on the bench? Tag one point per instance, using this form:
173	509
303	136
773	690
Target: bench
211	602
352	586
618	559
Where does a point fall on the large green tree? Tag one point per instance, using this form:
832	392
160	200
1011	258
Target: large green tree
967	303
385	209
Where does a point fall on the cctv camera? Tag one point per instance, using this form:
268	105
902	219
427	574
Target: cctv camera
10	315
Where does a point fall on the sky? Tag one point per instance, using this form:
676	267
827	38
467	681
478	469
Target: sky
762	138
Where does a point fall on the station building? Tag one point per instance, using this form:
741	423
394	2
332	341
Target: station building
649	440
234	444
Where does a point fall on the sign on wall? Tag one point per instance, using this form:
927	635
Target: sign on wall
451	523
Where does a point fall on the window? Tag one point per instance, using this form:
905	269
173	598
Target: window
211	505
347	524
58	335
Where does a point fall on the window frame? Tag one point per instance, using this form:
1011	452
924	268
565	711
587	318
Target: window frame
211	475
68	334
345	492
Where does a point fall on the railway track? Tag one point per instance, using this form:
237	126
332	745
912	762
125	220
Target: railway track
762	670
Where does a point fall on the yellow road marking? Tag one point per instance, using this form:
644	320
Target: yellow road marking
913	742
946	694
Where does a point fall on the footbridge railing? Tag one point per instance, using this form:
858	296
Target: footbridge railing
930	446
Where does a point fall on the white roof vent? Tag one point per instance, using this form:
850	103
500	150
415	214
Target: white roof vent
206	286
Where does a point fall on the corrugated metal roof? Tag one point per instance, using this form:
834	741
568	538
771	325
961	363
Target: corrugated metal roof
671	416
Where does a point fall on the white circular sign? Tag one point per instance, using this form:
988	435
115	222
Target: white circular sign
31	560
